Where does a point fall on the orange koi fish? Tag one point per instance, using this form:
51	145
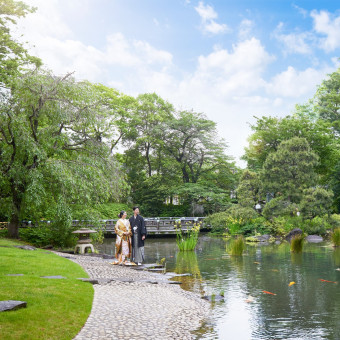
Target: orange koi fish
327	281
264	291
291	283
257	262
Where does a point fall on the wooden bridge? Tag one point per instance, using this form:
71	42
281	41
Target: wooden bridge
154	225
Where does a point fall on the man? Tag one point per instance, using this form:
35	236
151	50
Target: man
138	236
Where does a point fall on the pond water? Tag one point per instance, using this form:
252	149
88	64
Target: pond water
308	309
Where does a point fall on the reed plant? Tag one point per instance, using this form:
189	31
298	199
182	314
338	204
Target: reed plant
237	246
296	243
187	241
335	237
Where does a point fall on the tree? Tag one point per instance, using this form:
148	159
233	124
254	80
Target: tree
327	101
13	56
290	170
316	202
49	146
269	132
193	143
249	189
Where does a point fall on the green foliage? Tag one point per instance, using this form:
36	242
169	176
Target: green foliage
243	213
104	211
334	220
282	225
328	100
290	170
296	243
316	202
218	222
171	210
187	241
279	206
249	189
335	237
237	246
318	225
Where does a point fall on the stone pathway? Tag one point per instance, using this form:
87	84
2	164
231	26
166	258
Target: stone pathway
126	306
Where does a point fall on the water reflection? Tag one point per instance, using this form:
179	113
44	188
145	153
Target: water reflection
309	309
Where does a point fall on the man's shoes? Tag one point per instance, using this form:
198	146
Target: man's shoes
139	264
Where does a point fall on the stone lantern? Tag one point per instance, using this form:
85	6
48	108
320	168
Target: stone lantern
84	241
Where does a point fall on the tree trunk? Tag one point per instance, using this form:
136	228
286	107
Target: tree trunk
13	226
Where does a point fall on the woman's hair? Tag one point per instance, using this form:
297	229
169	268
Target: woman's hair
121	213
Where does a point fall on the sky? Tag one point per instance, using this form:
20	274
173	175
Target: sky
230	60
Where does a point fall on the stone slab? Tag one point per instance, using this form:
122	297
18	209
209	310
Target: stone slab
314	239
14	274
12	305
53	277
26	247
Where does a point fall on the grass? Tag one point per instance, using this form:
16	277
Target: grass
237	246
56	308
335	237
296	244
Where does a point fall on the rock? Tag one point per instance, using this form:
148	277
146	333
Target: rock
26	247
106	256
14	274
11	305
212	298
53	277
93	281
314	239
263	238
292	233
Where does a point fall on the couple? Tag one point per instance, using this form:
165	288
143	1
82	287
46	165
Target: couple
130	236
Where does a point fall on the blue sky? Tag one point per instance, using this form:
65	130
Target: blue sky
230	60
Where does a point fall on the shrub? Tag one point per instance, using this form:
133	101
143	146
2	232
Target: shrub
279	207
282	225
318	225
245	213
334	220
296	243
218	222
187	241
335	237
237	246
316	202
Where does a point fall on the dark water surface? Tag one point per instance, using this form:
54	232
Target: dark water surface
308	309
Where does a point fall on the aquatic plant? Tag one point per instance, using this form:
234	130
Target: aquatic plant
237	246
335	237
296	243
187	241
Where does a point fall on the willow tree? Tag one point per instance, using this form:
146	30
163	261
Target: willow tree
49	146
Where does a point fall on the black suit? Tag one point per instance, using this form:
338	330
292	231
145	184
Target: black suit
141	229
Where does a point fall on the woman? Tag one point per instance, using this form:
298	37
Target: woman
123	238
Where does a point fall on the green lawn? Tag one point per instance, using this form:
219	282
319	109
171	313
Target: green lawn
56	308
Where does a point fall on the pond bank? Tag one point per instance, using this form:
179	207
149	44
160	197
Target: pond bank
127	306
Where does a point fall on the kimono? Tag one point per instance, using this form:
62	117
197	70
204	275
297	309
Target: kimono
123	242
138	230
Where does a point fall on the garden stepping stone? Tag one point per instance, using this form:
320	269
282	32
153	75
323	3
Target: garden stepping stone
26	247
314	239
11	305
14	274
53	277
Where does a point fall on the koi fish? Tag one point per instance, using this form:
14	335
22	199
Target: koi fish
250	299
291	283
257	262
327	281
264	291
275	270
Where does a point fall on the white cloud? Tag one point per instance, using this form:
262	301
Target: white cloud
325	25
229	85
208	14
245	29
292	83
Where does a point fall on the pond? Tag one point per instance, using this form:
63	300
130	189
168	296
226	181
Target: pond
307	309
